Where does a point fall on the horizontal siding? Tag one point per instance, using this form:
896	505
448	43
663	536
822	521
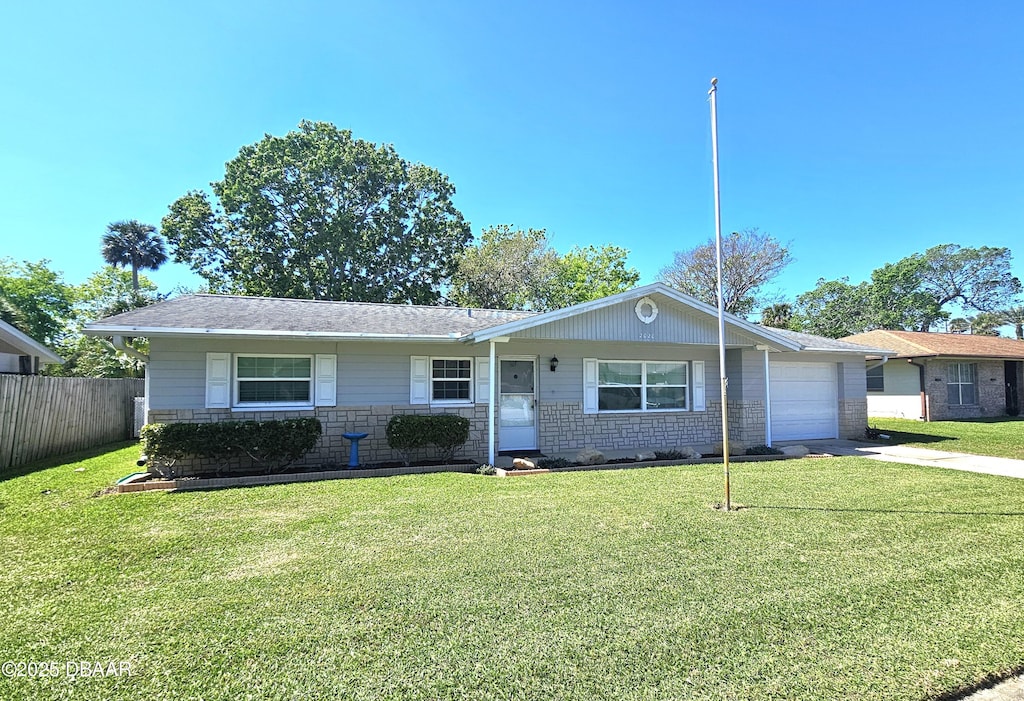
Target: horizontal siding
675	324
177	367
902	395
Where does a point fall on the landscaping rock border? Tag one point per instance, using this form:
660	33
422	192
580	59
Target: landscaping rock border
135	484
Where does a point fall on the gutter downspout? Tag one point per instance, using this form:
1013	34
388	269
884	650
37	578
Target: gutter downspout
119	344
490	403
925	414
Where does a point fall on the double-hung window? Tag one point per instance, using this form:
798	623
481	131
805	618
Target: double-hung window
262	380
876	379
963	384
451	379
642	385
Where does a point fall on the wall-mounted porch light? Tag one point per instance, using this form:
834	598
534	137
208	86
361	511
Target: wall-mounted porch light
554	363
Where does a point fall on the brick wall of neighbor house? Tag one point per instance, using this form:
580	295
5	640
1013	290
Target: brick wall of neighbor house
853	417
991	391
333	449
564	427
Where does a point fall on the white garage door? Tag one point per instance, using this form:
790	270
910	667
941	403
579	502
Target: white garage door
804	402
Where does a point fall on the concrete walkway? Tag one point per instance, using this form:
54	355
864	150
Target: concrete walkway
1009	690
1004	467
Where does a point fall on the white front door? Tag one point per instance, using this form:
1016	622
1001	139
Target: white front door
517	404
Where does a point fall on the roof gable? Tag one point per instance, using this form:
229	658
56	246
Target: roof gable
692	312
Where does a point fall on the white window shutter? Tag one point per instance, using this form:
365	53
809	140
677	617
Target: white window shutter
326	380
419	379
218	380
590	385
483	380
699	404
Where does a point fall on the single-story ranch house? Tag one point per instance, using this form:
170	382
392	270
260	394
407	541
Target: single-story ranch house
944	376
636	370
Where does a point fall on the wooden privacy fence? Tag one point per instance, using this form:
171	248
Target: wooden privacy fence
44	416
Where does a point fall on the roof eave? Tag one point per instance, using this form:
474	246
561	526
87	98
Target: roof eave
150	332
45	355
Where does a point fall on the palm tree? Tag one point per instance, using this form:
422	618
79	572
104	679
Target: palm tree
1015	316
777	315
986	323
132	243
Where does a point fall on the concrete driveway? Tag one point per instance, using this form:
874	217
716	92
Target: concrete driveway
1004	467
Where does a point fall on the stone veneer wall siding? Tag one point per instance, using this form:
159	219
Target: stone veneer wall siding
564	427
853	417
332	448
991	390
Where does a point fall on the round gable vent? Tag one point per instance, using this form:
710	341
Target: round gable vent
646	310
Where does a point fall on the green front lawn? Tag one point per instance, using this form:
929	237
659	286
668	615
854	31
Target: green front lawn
1002	437
846	578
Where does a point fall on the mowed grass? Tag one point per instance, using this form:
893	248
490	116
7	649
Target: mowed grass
1001	437
844	578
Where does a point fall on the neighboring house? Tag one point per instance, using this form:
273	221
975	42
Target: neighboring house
942	376
635	370
20	354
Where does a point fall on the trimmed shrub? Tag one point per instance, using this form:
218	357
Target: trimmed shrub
763	450
271	445
553	463
669	454
407	433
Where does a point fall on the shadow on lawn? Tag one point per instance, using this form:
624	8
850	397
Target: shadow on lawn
886	511
65	459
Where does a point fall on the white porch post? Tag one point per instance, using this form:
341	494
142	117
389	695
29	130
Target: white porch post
490	403
767	401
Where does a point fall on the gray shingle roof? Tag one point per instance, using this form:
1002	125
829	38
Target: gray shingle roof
811	342
262	314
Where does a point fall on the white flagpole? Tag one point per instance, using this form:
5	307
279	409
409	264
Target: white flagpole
713	92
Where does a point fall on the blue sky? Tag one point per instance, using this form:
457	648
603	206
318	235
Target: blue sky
858	132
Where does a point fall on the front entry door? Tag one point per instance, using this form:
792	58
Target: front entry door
1010	369
517	404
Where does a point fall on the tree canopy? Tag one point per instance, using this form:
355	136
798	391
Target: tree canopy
319	214
914	294
507	269
750	259
37	299
514	269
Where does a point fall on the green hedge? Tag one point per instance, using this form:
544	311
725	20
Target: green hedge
407	433
271	445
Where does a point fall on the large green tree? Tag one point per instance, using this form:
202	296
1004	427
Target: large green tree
38	300
835	308
319	214
750	260
974	278
132	244
510	268
507	268
915	293
590	272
